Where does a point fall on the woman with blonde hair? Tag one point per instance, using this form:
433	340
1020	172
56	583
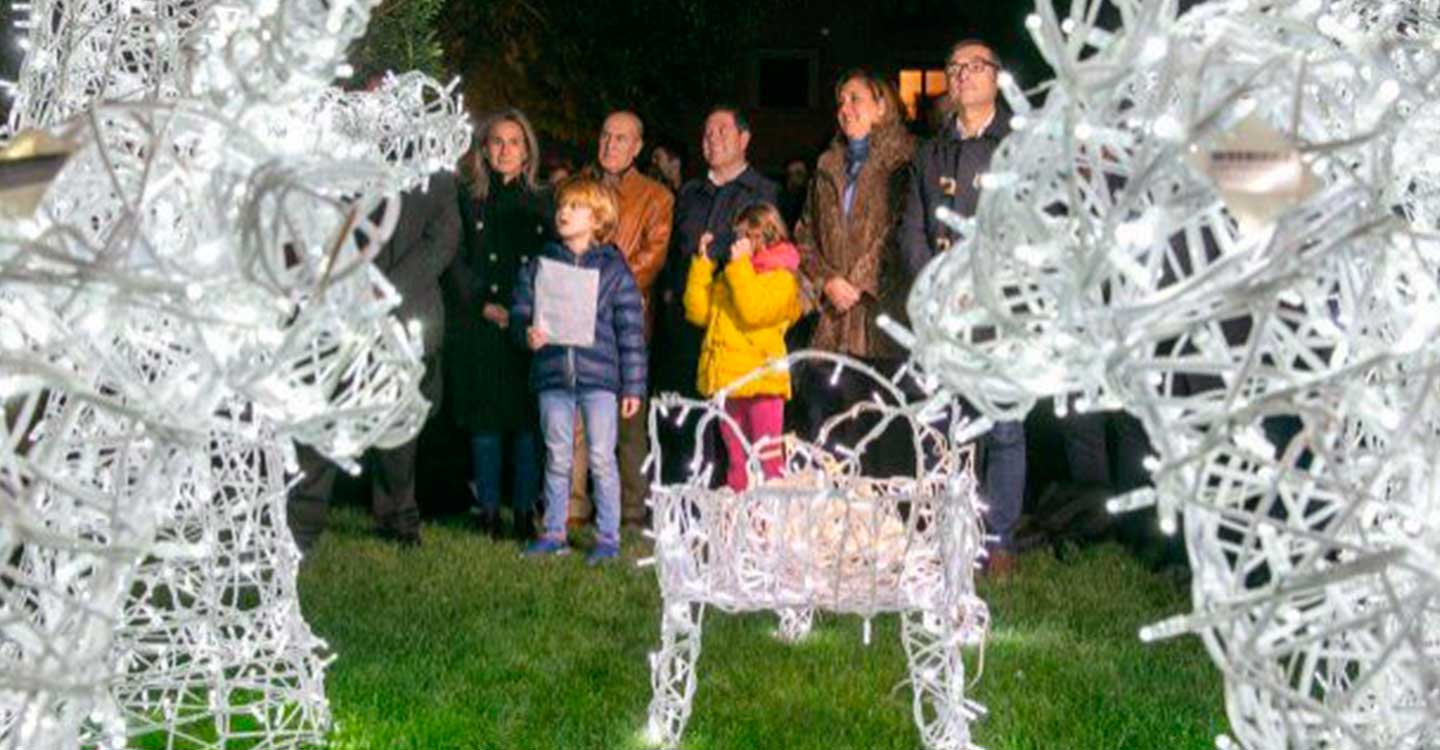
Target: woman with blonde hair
506	221
846	234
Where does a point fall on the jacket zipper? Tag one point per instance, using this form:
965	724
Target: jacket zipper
570	370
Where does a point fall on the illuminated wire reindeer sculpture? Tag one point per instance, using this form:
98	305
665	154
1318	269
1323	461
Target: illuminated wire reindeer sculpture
191	295
1223	222
825	536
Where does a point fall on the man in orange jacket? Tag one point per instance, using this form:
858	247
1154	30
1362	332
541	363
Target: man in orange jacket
643	236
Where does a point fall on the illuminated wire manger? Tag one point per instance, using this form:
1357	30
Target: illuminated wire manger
826	537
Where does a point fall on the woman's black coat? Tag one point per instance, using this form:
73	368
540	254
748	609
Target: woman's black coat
486	374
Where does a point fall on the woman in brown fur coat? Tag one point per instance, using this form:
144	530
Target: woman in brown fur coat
847	238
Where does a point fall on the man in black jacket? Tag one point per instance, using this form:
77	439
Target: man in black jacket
948	166
947	173
424	242
706	204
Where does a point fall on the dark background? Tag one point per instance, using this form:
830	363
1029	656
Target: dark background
567	63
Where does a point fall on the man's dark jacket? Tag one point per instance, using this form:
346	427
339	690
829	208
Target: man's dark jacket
616	360
426	238
946	173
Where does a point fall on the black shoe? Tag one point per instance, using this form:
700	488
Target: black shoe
306	543
488	523
405	539
524	526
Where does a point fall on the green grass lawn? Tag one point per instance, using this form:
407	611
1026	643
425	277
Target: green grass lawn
464	644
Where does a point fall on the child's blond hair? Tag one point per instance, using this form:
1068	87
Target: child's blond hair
595	195
764	221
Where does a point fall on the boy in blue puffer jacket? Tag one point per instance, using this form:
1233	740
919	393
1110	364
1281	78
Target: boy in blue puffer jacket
604	380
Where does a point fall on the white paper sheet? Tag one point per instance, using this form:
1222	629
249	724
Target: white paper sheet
565	299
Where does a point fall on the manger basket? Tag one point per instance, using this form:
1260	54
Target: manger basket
824	536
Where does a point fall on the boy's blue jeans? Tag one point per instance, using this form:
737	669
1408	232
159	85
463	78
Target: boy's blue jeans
600	411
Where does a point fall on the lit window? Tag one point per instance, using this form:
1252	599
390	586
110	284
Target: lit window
915	84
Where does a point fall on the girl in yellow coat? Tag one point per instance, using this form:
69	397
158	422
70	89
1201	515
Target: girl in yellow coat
745	311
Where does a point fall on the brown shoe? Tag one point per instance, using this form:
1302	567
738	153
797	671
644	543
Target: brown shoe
1001	564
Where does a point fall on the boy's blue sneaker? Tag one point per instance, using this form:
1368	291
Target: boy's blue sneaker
544	546
602	552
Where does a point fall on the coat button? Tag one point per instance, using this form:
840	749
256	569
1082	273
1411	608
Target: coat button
539	229
494	288
479	225
494	257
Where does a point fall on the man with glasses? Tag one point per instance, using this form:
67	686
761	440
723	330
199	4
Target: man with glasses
947	173
948	166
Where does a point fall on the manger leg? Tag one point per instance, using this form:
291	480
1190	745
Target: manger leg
672	671
795	624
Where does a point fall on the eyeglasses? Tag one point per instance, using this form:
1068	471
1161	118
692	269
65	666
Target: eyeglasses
969	67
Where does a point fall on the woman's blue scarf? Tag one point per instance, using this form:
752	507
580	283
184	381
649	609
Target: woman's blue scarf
856	152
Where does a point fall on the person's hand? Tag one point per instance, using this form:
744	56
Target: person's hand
629	407
537	338
703	250
496	314
741	249
841	294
